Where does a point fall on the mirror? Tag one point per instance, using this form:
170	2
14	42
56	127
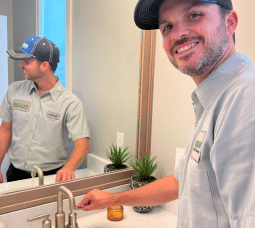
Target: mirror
121	92
45	194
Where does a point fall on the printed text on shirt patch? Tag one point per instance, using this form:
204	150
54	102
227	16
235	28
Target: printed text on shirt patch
20	105
197	149
53	115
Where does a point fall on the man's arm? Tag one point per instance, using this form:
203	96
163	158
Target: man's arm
158	192
81	149
5	139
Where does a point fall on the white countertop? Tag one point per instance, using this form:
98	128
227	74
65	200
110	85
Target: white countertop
157	218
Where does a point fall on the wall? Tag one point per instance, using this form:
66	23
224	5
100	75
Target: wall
106	50
6	10
24	26
172	105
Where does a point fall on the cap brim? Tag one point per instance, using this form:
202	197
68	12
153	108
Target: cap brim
18	55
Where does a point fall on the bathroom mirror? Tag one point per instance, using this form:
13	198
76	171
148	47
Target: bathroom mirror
106	78
22	199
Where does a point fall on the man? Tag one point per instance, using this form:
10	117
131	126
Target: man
215	179
37	116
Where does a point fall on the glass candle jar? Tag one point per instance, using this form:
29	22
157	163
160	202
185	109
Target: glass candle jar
115	213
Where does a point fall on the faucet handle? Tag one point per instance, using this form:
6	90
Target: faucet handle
46	223
72	221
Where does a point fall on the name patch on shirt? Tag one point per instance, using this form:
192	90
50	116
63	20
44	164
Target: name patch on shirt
20	105
197	149
53	115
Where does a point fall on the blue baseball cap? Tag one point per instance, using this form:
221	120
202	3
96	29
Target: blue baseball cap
36	47
147	12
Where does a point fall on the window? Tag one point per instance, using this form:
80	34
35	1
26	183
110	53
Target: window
52	25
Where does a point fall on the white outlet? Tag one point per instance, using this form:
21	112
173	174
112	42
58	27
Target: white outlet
120	140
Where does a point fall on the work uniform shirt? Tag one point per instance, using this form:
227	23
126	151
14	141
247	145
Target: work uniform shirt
217	173
40	125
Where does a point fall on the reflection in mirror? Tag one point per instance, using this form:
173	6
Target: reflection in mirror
102	58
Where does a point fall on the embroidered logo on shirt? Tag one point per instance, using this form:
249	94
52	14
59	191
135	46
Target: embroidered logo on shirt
53	115
196	152
21	105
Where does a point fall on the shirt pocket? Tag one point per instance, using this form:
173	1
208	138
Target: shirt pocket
196	206
48	131
20	121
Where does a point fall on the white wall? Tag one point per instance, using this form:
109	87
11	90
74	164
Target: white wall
6	10
24	26
173	114
6	75
106	51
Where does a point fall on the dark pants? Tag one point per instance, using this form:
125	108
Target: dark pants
14	174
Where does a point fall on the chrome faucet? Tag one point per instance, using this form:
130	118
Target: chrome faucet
40	174
60	215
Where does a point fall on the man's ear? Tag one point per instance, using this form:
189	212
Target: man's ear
231	22
44	66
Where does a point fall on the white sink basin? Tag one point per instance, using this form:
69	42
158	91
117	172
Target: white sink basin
156	218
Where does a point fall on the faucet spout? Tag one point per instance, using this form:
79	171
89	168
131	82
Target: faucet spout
61	190
60	215
35	170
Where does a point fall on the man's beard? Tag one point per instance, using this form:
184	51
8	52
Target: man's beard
211	55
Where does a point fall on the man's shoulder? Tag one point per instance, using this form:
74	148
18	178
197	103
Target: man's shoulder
245	77
20	85
241	87
68	95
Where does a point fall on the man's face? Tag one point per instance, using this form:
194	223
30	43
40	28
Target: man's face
31	69
194	35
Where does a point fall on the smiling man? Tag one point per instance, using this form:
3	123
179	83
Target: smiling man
37	116
215	179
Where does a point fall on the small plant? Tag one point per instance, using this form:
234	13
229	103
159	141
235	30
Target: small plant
117	156
144	167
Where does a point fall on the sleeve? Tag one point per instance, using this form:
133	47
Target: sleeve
6	107
76	122
233	156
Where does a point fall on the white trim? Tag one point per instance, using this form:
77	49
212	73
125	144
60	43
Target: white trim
69	48
38	17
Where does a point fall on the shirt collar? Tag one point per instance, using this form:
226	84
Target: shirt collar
209	89
54	92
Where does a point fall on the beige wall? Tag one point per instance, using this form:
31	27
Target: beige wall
173	114
106	50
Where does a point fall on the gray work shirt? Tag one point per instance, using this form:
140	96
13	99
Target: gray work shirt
217	173
40	125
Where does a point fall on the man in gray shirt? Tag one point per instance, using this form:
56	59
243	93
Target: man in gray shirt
37	116
215	179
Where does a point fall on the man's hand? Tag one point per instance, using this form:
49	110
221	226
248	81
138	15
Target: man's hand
95	200
1	178
64	174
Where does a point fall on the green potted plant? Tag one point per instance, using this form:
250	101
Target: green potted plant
118	157
144	167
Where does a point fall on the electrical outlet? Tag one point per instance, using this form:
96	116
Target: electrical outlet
120	140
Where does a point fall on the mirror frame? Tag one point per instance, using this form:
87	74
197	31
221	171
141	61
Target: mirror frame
46	194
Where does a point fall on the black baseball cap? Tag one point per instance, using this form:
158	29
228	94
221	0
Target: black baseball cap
147	11
36	47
